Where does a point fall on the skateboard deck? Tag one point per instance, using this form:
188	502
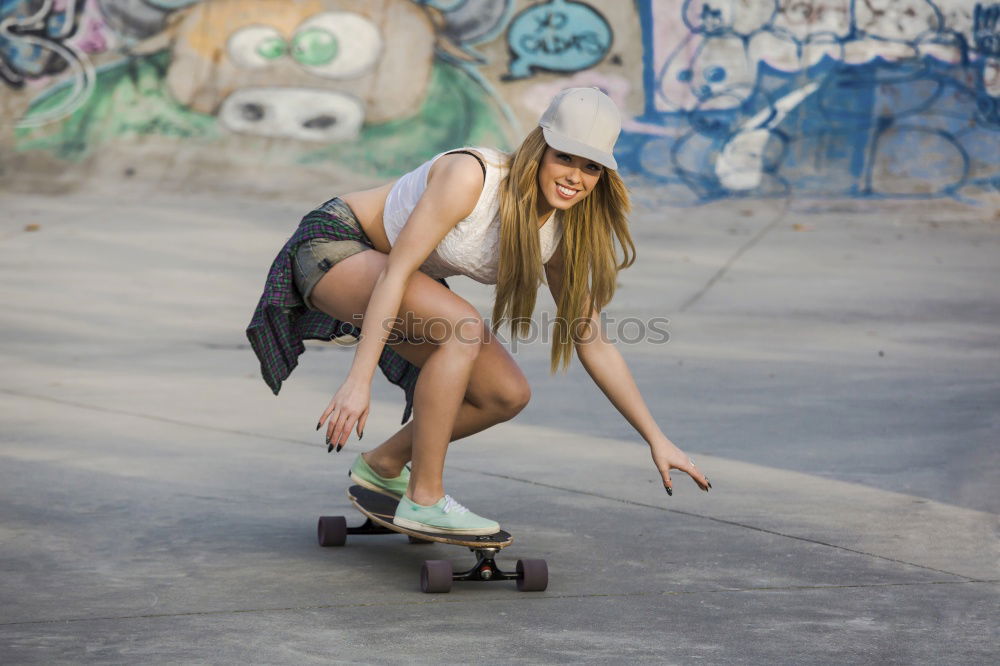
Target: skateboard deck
380	509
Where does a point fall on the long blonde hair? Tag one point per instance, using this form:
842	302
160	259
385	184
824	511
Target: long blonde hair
590	265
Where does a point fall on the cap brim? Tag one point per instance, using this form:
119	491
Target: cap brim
574	147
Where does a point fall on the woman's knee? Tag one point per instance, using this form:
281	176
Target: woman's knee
459	332
509	397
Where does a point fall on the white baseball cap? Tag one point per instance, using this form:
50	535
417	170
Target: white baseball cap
584	122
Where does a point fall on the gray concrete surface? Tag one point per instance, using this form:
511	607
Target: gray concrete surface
832	365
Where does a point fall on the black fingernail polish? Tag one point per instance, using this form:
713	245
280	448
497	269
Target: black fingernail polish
361	435
319	425
708	482
329	447
339	447
669	491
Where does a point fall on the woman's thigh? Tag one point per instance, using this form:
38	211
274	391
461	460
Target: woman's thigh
345	290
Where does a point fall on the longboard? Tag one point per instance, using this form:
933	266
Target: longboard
435	575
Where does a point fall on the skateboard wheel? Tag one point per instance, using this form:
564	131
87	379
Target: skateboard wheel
532	575
436	576
332	531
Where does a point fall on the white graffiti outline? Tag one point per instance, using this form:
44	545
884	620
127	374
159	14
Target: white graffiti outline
740	165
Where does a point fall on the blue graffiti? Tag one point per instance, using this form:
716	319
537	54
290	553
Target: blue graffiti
754	106
557	36
468	22
31	37
138	19
986	29
711	19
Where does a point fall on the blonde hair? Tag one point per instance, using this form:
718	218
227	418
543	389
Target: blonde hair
590	266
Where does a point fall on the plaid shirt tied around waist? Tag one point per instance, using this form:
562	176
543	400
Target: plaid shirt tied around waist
282	321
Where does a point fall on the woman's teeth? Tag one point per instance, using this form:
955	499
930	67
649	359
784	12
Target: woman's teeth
565	192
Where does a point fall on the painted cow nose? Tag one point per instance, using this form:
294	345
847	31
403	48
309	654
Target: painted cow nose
293	113
253	112
320	122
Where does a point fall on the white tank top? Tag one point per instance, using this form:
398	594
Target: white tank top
472	247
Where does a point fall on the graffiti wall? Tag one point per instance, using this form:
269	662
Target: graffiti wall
889	98
722	98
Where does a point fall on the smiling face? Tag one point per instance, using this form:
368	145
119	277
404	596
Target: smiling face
565	180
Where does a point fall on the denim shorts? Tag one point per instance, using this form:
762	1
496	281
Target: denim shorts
315	257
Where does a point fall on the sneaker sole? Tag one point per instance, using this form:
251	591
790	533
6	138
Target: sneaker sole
423	527
371	486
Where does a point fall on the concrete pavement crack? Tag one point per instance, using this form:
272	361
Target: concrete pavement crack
492	600
499	476
756	238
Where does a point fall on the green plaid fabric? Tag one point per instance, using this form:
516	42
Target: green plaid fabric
282	321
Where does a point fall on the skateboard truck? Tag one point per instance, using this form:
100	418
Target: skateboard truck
486	568
530	576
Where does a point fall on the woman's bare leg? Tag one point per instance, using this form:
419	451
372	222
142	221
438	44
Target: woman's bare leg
437	398
496	393
445	375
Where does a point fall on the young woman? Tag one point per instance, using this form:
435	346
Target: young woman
376	259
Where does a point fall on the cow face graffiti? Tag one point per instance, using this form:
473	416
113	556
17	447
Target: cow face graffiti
314	70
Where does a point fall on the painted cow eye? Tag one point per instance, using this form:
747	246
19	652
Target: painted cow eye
337	45
256	46
272	48
314	47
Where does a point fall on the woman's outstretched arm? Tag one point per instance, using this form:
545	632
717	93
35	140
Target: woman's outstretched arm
605	365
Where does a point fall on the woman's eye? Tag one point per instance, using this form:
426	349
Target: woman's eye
594	167
563	156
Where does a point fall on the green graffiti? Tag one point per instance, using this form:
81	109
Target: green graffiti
457	112
315	47
272	48
129	100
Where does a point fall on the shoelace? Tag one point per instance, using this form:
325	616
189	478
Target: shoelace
451	505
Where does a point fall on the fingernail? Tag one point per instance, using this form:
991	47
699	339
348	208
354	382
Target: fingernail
329	446
361	435
669	491
319	425
339	447
708	482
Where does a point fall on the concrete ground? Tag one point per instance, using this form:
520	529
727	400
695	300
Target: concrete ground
832	366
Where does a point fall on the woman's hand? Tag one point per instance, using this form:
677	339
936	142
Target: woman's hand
347	410
666	456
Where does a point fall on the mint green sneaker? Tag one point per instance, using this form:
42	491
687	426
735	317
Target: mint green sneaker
363	475
446	515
